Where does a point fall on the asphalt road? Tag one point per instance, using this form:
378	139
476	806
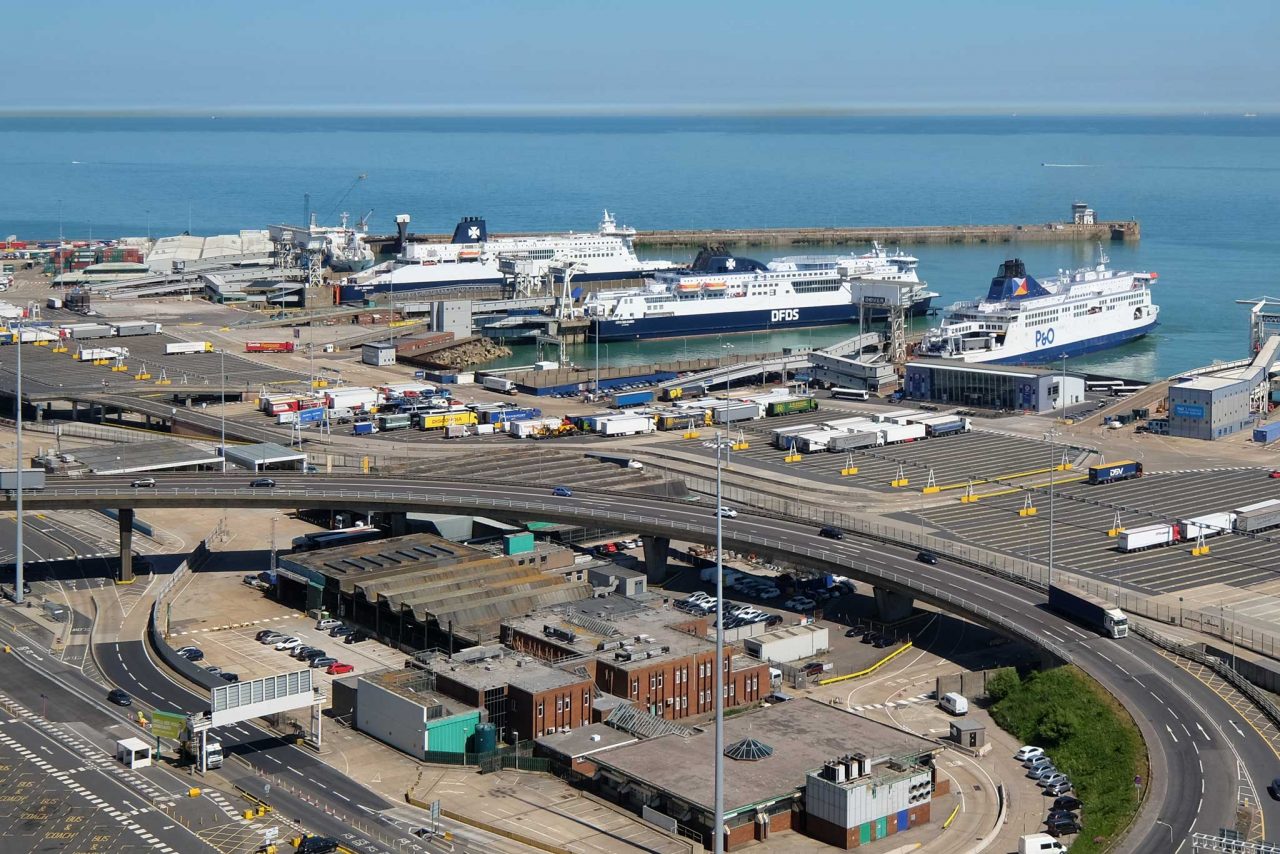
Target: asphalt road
1200	757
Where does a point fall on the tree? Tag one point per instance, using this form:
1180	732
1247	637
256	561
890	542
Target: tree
1056	726
1002	683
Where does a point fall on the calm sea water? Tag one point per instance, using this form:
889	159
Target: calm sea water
1204	188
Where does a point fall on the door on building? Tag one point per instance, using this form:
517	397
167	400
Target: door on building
864	834
882	827
904	820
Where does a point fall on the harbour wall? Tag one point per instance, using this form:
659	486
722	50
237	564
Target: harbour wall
1048	232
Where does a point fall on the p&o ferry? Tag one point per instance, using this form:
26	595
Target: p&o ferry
1023	321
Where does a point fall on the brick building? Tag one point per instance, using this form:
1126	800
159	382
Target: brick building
524	698
659	659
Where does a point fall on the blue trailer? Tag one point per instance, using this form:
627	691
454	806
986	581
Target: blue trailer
623	399
364	428
1113	472
1267	433
523	413
946	428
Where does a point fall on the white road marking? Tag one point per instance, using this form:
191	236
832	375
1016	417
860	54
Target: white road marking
1202	732
1239	731
1169	730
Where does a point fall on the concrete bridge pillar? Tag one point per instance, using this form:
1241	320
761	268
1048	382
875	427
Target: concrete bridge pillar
655	558
893	606
125	520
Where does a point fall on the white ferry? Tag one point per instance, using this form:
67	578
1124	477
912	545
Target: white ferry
1022	320
721	293
472	259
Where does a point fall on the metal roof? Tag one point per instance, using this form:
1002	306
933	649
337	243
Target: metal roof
155	455
263	453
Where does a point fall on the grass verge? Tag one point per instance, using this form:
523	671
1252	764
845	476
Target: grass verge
1088	735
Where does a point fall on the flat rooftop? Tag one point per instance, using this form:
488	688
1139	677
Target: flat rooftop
414	685
1209	383
804	734
1019	371
520	671
263	453
152	455
608	625
586	740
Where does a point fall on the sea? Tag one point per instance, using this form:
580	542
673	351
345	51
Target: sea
1205	189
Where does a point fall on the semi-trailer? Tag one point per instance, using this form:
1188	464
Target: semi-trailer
440	420
1113	472
520	413
624	425
182	348
269	347
1147	536
1207	525
790	406
93	354
814	440
936	427
852	441
1097	613
623	399
1258	517
895	433
782	436
898	416
394	421
733	412
500	384
127	328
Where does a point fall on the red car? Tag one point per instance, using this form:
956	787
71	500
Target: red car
1274	474
340	667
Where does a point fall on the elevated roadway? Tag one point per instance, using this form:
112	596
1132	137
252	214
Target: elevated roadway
1201	759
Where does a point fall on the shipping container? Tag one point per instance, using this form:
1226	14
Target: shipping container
791	406
1147	536
1208	525
624	425
623	399
269	347
852	441
500	384
731	413
178	348
894	433
1112	472
440	420
1267	433
1258	517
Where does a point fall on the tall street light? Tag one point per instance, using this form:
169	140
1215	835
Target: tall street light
18	466
718	684
222	410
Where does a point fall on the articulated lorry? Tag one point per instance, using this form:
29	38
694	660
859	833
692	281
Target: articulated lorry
1097	613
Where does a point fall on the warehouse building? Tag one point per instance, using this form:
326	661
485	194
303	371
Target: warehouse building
265	456
790	643
992	386
422	591
800	766
1215	405
402	709
660	660
380	354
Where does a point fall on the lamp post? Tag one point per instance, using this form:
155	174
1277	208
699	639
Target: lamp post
17	450
222	409
718	683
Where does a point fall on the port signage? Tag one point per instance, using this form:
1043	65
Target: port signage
1188	410
242	701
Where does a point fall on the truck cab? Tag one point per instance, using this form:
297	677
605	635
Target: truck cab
1116	623
213	755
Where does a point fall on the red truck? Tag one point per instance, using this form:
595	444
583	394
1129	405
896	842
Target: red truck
269	347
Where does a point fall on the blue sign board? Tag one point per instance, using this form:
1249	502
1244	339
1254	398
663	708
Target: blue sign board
311	416
1188	410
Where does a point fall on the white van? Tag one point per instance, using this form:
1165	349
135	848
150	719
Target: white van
1039	843
955	704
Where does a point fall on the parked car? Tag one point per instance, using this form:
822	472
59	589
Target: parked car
191	653
1273	789
831	532
1051	777
251	580
120	698
562	492
773	620
262	635
340	631
355	637
313	654
228	676
1058	788
262	483
1062	826
271	637
1274	474
143	483
323	661
1067	802
339	667
214	669
288	643
300	651
728	513
882	641
927	557
1038	764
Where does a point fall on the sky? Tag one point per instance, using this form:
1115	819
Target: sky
644	56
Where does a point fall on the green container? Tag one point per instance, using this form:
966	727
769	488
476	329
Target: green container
516	544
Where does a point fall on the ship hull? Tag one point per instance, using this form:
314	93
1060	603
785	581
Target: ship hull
721	323
1077	348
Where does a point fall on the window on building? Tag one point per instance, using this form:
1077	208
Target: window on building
653	681
660	680
539	709
559	704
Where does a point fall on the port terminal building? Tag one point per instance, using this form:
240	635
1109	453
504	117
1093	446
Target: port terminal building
1212	406
998	387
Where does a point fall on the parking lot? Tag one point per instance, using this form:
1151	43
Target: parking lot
227	637
953	460
1083	514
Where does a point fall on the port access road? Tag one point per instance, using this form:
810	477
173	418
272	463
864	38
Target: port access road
1202	760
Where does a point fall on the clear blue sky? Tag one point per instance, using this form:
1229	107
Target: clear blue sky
932	55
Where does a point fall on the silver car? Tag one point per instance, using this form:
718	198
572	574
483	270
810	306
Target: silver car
1051	778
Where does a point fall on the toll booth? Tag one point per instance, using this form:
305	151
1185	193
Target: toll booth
133	752
969	734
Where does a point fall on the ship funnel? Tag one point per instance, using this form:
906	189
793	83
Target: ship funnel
402	231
